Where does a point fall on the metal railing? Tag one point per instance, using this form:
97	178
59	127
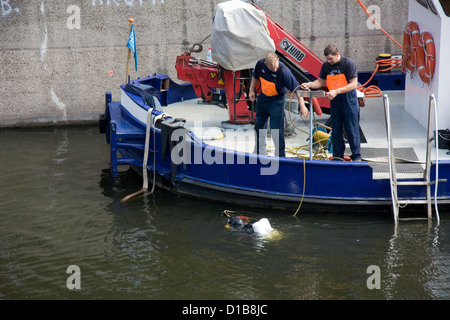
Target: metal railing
394	183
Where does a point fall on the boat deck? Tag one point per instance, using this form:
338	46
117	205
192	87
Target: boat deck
209	122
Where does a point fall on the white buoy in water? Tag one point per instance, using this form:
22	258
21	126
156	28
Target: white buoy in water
262	227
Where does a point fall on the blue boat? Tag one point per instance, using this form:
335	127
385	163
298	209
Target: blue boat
195	147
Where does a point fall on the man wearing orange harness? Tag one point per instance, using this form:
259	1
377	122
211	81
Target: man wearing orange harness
340	75
276	79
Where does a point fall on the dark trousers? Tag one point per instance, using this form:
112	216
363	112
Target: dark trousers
273	108
345	114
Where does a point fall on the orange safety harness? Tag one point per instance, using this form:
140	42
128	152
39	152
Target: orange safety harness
336	81
268	87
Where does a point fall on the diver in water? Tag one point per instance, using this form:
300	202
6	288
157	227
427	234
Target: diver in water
261	227
238	223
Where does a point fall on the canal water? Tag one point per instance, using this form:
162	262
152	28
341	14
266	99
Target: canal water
65	235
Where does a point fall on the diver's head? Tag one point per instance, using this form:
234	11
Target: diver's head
236	222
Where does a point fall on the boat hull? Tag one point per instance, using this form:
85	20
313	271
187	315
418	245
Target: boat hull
189	167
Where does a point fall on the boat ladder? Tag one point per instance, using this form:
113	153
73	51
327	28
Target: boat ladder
397	203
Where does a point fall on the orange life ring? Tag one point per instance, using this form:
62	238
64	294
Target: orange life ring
425	57
418	52
410	45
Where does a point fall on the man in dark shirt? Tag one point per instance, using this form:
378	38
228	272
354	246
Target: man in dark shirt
276	79
340	75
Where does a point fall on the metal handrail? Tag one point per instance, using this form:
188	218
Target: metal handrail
392	175
432	110
436	126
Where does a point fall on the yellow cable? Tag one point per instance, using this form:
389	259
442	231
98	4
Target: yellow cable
320	153
304	187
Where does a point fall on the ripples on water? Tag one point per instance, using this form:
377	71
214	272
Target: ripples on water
61	207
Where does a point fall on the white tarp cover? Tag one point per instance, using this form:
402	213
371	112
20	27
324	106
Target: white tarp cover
239	36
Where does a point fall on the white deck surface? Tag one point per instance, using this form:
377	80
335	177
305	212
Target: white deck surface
406	131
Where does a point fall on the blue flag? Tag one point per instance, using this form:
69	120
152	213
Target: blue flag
132	45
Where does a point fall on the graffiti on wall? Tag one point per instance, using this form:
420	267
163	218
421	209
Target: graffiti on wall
129	3
8	7
74	20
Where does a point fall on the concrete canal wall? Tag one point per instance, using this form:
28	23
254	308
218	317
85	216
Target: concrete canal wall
58	57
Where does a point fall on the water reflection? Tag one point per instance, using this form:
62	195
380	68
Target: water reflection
414	250
317	257
60	206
